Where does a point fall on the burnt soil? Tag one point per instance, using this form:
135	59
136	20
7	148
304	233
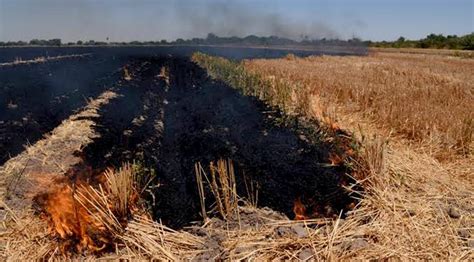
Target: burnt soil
35	98
172	121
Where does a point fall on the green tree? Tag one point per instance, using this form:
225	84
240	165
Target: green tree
467	42
54	42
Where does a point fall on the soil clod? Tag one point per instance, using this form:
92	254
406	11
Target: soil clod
305	254
464	234
453	212
355	244
300	231
470	243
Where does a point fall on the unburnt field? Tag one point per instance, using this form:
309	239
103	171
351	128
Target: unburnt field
169	155
413	111
422	97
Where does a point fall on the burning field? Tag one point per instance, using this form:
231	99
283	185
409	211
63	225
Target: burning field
179	157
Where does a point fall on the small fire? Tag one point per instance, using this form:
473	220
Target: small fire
312	209
69	220
299	209
338	158
87	217
335	159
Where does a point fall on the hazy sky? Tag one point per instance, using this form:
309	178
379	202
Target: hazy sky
125	20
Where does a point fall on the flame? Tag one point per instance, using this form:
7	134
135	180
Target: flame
308	210
69	220
86	217
335	159
312	209
299	209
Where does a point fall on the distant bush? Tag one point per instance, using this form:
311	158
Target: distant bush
438	41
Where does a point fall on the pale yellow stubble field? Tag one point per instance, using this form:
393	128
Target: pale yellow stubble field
425	98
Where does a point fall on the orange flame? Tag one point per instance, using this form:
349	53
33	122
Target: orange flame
313	209
299	209
335	159
69	220
79	223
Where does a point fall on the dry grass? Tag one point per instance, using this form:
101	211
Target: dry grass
427	99
147	239
107	214
406	214
437	52
413	207
42	59
109	205
121	185
222	185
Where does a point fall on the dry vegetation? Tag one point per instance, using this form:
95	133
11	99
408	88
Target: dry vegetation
425	51
425	98
42	59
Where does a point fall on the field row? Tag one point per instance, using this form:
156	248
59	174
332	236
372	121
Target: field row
42	59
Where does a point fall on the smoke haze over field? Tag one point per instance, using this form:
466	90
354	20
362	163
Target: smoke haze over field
127	20
237	19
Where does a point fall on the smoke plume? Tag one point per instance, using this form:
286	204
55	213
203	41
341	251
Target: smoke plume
239	19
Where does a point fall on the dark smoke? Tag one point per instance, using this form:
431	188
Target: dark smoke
237	19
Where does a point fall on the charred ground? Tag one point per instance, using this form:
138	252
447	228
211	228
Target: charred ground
172	115
36	98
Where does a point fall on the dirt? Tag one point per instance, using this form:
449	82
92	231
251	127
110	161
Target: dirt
171	121
355	244
306	254
453	212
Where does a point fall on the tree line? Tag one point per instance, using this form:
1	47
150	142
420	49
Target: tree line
211	39
437	41
465	42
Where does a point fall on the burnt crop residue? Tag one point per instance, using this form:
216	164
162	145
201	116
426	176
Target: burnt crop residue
34	99
171	115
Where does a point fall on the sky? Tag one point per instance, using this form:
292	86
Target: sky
127	20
